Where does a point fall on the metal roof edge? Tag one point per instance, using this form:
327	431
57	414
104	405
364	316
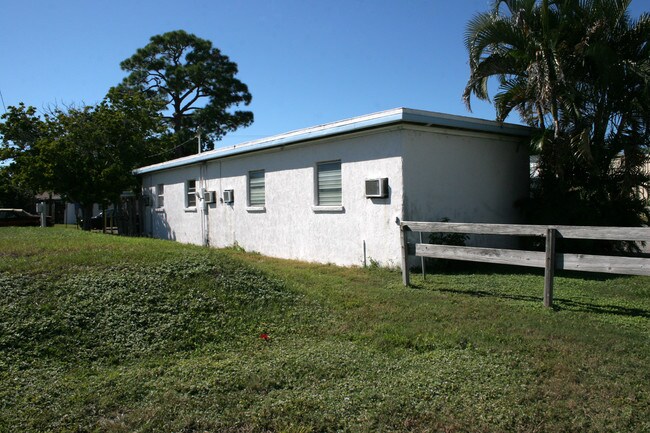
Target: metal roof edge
372	120
431	118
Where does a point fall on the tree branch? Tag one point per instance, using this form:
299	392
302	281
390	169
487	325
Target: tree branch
194	99
189	92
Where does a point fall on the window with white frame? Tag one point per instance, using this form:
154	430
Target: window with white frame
256	193
160	195
328	180
190	193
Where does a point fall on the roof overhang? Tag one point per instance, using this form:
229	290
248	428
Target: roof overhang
355	124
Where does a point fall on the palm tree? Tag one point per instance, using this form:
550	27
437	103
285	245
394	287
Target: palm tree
578	72
517	42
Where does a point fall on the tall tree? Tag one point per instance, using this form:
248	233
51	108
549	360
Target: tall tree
196	84
579	72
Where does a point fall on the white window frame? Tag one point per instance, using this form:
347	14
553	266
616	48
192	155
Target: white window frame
190	194
256	206
319	205
160	196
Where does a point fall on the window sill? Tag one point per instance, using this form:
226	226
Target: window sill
328	209
190	209
256	209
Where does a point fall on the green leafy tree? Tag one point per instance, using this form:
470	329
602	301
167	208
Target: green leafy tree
92	151
579	72
21	129
196	85
86	154
12	196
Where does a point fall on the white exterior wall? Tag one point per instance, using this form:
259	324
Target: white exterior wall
70	215
463	176
432	173
71	210
173	221
290	226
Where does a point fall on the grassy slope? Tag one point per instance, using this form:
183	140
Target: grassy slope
100	333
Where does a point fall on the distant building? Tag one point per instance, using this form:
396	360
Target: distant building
55	206
63	212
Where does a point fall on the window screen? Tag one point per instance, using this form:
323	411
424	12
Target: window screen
190	188
160	195
256	195
329	183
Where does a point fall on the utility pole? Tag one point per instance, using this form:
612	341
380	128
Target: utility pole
198	136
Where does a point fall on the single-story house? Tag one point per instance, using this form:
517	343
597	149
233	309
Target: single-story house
336	193
62	211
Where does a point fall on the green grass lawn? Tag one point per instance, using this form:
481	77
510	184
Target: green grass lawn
111	334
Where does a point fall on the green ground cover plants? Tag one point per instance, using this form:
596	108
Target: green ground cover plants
101	333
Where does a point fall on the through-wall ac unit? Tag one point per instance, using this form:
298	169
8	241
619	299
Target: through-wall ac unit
377	188
228	196
210	197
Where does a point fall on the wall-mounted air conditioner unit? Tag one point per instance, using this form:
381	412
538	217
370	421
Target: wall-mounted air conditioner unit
210	197
377	188
228	196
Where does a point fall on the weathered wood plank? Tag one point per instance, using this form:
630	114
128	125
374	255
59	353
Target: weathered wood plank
569	262
423	264
405	256
605	233
492	229
486	255
549	269
568	232
605	264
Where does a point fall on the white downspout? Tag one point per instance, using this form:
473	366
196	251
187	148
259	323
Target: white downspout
205	228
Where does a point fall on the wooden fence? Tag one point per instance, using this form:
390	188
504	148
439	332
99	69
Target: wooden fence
547	259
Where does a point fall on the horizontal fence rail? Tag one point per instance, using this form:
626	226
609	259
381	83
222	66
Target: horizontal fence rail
547	259
567	232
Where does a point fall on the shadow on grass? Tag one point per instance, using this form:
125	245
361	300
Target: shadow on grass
558	305
617	310
484	294
468	268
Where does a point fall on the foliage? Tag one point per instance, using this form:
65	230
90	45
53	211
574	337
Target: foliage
579	72
12	196
86	154
195	82
71	323
21	131
102	333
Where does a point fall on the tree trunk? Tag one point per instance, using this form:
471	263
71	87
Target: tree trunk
177	120
86	214
103	218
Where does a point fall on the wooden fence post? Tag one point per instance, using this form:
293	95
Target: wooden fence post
549	268
424	271
405	256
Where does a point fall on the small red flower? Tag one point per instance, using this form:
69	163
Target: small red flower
264	336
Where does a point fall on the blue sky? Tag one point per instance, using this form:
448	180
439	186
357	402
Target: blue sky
305	62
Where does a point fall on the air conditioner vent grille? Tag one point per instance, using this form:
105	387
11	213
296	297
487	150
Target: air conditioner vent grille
228	196
210	197
377	188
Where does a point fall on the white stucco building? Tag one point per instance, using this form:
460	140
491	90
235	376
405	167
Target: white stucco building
302	195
